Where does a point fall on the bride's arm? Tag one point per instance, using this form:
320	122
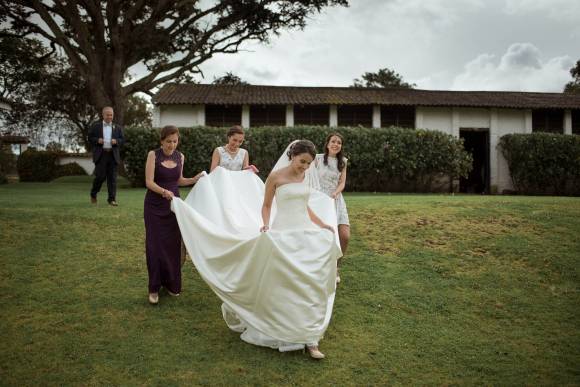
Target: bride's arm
267	205
317	221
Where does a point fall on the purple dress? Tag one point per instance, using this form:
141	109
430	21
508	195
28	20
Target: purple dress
162	236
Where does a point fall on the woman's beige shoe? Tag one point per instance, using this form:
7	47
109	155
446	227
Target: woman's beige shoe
315	353
172	294
153	298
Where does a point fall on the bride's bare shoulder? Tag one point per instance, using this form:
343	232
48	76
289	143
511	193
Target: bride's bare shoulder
276	177
273	176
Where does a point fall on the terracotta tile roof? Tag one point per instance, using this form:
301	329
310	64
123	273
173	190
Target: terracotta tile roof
179	94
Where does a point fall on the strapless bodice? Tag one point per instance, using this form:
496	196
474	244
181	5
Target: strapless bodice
291	207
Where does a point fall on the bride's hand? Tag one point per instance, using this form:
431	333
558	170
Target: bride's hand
264	228
334	195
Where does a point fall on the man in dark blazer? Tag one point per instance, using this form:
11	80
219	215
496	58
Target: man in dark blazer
106	139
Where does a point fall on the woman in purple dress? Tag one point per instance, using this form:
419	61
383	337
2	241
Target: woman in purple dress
163	176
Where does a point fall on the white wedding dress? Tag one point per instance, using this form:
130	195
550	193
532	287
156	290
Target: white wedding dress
277	287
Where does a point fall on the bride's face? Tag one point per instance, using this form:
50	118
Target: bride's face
301	162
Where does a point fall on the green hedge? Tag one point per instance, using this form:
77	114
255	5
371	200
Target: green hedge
380	159
36	165
543	163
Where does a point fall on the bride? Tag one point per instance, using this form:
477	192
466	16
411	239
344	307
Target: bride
276	279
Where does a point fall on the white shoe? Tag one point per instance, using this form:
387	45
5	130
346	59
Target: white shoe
315	353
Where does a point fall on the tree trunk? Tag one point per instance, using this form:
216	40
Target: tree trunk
119	108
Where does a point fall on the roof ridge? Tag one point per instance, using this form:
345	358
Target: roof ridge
180	93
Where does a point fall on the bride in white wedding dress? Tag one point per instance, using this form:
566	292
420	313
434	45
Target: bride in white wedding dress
278	285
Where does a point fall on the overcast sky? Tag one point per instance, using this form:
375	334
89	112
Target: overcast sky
519	45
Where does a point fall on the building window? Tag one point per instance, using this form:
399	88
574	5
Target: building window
223	115
548	120
576	121
311	115
266	115
355	115
401	116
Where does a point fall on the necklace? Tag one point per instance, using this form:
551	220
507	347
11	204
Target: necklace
227	148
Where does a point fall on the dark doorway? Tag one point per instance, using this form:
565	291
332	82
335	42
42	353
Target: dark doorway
476	142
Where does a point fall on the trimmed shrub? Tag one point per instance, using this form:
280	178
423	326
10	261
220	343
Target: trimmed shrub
543	163
70	169
36	165
380	159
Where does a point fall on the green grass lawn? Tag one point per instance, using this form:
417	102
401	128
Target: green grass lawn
436	289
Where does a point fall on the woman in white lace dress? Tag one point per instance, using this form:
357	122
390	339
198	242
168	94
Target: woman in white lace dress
231	156
331	167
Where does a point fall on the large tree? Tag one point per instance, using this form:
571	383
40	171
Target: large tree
24	66
47	98
166	40
574	85
383	78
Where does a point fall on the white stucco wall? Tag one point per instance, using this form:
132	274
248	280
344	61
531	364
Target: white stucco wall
436	119
508	121
181	115
473	118
86	162
498	121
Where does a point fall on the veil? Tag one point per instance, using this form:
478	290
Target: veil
311	177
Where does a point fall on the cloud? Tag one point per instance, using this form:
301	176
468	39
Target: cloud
519	69
521	55
560	10
437	44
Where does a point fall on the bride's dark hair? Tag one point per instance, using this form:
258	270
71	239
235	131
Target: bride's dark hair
339	155
301	146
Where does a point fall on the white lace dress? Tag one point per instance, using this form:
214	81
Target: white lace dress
233	163
329	176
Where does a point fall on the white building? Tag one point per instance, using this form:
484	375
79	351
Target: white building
479	117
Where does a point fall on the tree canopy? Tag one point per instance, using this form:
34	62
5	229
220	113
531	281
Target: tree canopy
229	78
383	78
47	98
120	48
574	85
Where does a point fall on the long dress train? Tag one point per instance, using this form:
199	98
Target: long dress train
277	287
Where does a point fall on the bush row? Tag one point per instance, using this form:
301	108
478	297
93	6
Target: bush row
380	159
543	163
42	166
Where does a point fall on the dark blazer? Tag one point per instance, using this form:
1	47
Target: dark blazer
96	132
